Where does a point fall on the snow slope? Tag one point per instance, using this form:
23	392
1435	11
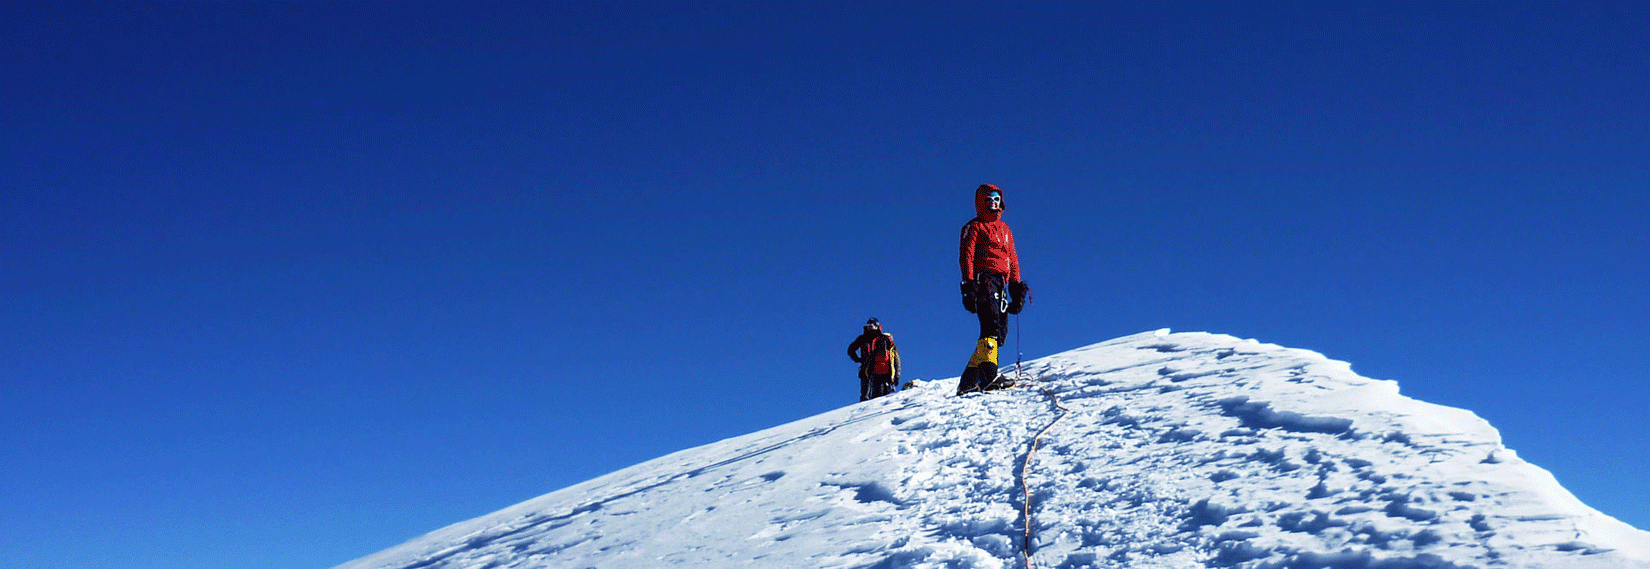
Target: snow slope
1179	450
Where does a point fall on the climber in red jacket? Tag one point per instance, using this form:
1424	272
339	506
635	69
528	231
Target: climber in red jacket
878	360
991	287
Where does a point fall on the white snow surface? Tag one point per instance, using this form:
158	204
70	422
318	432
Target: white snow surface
1179	450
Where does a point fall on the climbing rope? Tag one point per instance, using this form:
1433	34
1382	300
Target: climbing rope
1019	352
1036	442
1025	467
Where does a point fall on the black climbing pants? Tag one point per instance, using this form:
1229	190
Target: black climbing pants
991	305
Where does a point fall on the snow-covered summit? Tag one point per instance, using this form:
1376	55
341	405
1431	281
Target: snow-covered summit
1178	451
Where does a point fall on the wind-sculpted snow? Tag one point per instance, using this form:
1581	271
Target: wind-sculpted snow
1181	450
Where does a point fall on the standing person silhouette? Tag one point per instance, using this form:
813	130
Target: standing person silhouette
878	360
991	287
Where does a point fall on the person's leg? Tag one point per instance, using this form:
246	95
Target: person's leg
981	372
884	385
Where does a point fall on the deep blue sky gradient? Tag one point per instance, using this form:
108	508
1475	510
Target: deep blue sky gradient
284	284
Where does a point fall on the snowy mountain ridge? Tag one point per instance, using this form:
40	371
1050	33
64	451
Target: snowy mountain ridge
1179	450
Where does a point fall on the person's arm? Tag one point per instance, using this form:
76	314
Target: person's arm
1013	258
893	357
965	257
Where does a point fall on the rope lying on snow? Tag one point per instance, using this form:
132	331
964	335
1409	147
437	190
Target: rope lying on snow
1025	487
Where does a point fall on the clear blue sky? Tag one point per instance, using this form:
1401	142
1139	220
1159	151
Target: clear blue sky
285	284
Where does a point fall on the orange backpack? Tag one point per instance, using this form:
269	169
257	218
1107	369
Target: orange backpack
878	357
881	357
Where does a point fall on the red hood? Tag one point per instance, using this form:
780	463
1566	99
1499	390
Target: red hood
979	203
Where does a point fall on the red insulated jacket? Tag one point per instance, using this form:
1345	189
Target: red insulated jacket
987	243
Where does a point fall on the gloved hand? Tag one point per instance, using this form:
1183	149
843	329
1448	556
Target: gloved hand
968	288
1018	294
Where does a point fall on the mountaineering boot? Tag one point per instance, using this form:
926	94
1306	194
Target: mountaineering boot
1000	383
981	372
968	383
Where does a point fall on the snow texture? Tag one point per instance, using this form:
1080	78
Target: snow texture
1181	450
